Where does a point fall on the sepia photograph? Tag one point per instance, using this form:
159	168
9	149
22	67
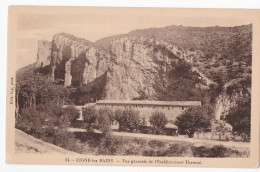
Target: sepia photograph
132	86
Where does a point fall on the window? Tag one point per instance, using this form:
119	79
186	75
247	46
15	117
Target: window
182	108
169	107
142	106
162	107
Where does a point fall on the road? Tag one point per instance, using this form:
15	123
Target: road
197	142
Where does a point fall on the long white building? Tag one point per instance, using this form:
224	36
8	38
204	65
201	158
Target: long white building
171	108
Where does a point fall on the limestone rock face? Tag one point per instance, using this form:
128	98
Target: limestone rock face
96	64
138	65
75	60
68	77
226	100
133	66
67	47
43	53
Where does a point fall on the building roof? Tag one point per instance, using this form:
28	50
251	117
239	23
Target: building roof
169	125
146	102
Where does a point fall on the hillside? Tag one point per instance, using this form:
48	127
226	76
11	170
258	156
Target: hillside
24	72
105	43
224	51
25	143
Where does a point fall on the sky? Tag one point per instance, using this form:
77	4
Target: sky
93	26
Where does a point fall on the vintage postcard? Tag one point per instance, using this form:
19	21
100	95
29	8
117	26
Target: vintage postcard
133	86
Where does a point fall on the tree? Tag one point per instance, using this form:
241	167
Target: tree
71	113
107	112
36	89
239	117
129	119
158	120
181	69
192	120
118	116
90	116
31	119
220	127
98	119
103	123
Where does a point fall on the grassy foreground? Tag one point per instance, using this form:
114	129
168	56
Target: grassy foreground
96	144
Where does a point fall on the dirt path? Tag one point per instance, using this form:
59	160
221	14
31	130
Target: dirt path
197	142
182	139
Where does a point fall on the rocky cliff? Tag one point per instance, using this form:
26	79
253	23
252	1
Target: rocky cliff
134	66
138	66
73	60
233	91
43	53
132	60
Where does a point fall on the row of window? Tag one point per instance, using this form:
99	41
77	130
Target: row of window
142	106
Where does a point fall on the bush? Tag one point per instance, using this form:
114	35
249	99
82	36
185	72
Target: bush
118	114
154	153
71	113
221	128
64	116
112	146
178	150
163	149
40	121
103	123
145	129
107	112
215	151
48	115
50	108
239	117
99	119
129	119
78	124
154	143
90	117
158	120
192	120
61	138
32	119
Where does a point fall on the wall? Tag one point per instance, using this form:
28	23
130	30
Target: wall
147	110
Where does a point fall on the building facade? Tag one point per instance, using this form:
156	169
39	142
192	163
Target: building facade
171	109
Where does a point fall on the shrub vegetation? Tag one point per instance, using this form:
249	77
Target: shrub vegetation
158	120
239	117
128	119
98	119
192	120
90	116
